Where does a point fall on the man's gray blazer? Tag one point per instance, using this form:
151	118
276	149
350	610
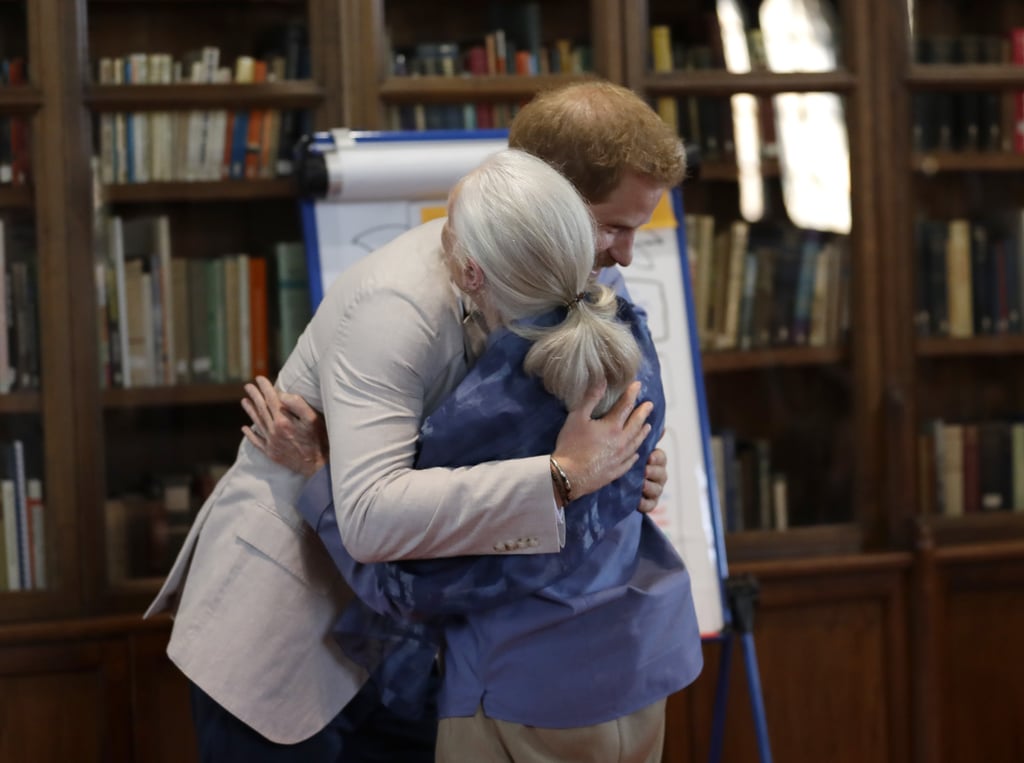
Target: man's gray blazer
254	592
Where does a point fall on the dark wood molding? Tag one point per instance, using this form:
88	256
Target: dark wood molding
934	162
204	191
15	197
722	83
185	394
299	94
21	401
821	541
507	87
964	77
953	347
24	99
725	361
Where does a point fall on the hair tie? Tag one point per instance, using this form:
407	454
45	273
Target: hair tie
575	300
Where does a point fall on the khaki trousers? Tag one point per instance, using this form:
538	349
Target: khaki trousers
635	738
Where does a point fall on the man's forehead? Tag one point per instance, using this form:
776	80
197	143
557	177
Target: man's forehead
623	215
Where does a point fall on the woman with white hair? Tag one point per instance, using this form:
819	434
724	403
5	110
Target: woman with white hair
562	656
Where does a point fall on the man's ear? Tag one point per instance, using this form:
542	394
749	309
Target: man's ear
472	275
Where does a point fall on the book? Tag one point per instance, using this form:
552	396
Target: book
180	320
9	505
13	453
37	519
216	318
198	333
958	277
661	62
292	287
952	466
259	328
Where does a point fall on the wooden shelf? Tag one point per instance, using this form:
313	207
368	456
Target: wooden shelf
477	88
722	83
934	162
21	99
981	527
185	394
744	360
29	401
816	540
225	190
945	347
297	94
964	77
726	171
15	196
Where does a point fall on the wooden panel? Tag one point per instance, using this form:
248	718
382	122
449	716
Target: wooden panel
831	653
163	731
64	703
981	664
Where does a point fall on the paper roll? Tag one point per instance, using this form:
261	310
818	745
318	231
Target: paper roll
402	170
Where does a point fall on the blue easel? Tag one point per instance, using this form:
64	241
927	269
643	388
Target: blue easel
739	596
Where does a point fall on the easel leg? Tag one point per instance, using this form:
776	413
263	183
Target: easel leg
742	593
756	699
721	698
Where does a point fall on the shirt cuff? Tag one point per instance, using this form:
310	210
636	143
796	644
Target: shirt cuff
316	497
560	524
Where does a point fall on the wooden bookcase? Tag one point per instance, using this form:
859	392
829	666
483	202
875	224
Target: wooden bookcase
808	407
166	429
882	624
967	565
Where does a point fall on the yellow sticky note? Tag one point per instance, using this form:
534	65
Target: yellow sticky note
664	216
432	213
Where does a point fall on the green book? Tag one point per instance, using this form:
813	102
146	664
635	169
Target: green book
292	287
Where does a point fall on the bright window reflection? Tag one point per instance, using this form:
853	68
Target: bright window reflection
745	121
814	153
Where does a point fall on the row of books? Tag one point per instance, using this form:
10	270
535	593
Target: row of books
708	122
19	304
751	494
976	120
515	44
765	285
742	37
288	58
145	528
971	467
197	144
480	115
970	275
166	320
150	147
15	151
23	530
495	56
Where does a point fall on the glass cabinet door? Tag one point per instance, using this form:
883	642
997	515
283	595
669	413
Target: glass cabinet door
198	265
966	236
767	97
29	562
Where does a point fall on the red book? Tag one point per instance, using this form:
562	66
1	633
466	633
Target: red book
254	137
258	327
